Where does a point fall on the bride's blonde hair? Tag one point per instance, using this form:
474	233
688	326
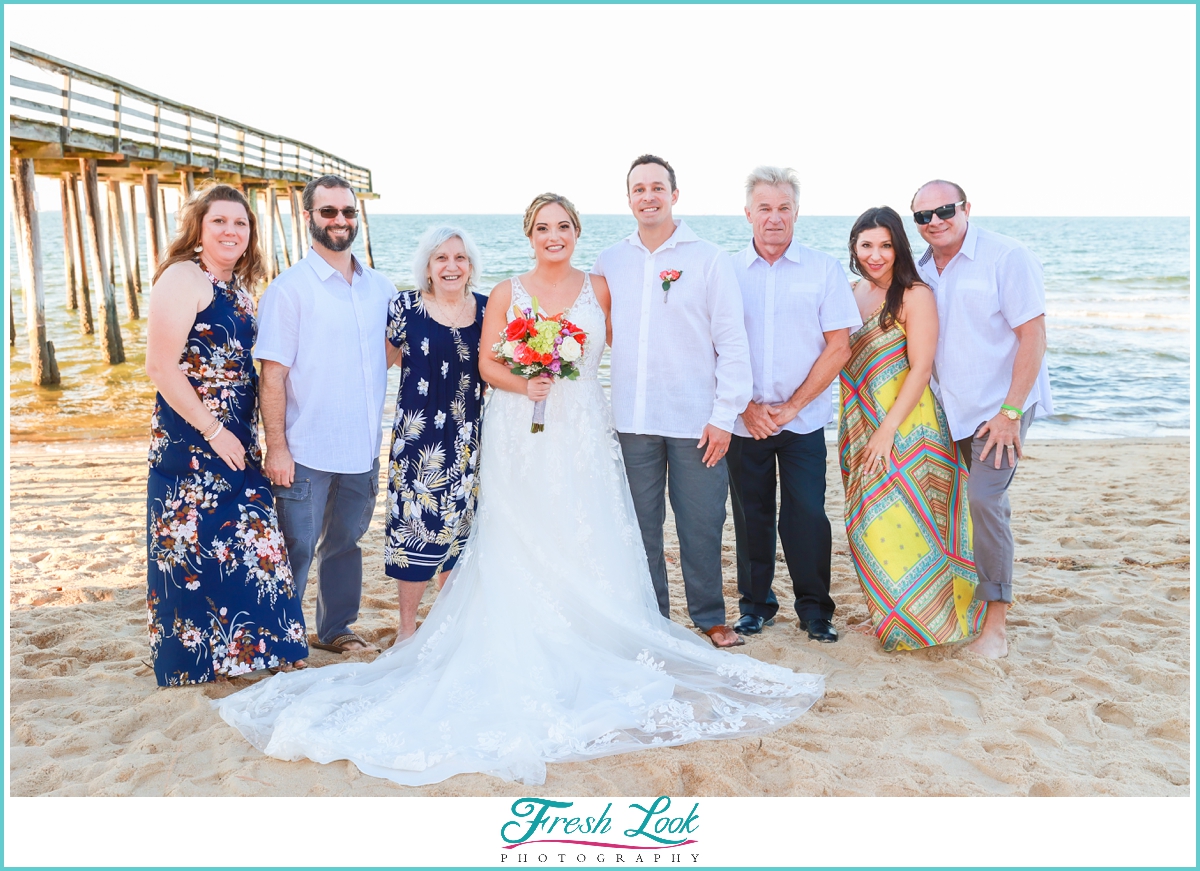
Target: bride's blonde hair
543	200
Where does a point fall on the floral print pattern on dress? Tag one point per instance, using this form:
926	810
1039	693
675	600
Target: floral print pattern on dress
432	474
221	599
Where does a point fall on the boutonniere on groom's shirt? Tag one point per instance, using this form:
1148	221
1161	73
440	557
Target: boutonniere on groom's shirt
668	276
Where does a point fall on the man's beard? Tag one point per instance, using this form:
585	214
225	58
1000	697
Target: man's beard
321	234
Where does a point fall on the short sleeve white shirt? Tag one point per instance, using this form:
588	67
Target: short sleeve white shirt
789	306
330	335
679	363
991	286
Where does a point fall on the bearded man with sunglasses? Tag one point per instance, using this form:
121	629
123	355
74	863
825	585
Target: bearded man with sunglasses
324	377
989	373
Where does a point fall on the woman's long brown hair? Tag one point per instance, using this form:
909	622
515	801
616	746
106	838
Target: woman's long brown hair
249	269
904	268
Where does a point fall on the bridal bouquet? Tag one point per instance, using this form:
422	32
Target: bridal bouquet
533	344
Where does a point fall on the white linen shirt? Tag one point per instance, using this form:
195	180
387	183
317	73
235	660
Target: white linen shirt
789	305
682	364
330	335
992	285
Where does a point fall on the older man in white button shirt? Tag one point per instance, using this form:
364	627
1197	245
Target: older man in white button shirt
324	375
680	377
989	373
799	313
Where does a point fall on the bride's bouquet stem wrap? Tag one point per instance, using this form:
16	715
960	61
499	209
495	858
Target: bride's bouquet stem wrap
534	344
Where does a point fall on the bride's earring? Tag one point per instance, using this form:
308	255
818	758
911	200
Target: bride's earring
198	248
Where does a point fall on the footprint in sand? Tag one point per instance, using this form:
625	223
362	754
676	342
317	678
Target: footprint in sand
1114	715
962	704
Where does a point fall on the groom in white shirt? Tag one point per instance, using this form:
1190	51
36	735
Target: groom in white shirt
680	378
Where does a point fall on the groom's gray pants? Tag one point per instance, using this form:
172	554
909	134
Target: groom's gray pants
654	466
987	496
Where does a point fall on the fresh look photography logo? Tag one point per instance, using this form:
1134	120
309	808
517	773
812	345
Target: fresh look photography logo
643	834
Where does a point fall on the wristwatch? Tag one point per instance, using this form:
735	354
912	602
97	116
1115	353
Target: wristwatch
1010	412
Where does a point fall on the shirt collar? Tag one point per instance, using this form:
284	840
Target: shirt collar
793	253
683	233
969	240
967	250
322	267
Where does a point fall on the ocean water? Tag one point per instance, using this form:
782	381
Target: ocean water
1118	299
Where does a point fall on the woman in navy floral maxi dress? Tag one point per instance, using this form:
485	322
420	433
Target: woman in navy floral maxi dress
221	600
432	475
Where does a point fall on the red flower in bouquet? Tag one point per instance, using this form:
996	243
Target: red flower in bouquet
523	354
516	329
575	333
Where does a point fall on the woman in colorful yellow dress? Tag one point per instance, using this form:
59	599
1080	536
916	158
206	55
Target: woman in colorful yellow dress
906	486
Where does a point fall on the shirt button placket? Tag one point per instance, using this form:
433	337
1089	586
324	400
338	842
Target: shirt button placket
769	337
365	361
639	402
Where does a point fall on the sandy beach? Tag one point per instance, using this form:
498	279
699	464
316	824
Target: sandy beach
1093	699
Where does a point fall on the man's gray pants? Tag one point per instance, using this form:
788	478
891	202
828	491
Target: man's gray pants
325	514
654	466
987	495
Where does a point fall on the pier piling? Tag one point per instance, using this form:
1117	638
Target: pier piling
86	325
68	255
110	330
133	239
366	228
43	366
116	214
285	254
164	230
153	254
268	225
298	237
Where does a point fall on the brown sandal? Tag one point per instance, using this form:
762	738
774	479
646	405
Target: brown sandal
338	645
723	636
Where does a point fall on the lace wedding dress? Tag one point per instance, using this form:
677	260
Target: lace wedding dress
546	644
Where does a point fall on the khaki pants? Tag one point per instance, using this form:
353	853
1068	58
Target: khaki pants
987	494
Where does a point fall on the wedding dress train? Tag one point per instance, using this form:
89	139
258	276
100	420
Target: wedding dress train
546	643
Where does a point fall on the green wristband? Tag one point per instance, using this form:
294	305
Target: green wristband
1011	408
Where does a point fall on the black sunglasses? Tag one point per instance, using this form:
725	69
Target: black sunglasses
945	212
330	212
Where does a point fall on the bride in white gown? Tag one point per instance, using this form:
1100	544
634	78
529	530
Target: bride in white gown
546	643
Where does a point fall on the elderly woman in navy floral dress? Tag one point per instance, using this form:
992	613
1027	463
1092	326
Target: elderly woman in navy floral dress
221	599
434	332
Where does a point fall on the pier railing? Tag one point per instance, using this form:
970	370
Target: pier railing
56	102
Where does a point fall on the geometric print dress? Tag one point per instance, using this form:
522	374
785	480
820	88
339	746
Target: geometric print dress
220	595
909	528
433	472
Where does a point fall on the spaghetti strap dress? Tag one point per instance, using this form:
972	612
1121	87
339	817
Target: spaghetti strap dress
220	596
908	525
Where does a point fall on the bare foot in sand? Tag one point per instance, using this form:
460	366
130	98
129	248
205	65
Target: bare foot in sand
992	642
863	628
401	636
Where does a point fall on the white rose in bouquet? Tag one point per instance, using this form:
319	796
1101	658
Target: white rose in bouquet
569	351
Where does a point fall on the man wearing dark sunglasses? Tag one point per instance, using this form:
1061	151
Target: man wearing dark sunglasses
324	375
989	373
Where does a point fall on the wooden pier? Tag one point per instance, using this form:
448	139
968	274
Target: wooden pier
102	138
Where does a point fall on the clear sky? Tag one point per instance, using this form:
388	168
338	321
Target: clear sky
1035	110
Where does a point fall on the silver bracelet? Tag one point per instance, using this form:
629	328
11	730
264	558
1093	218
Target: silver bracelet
216	432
